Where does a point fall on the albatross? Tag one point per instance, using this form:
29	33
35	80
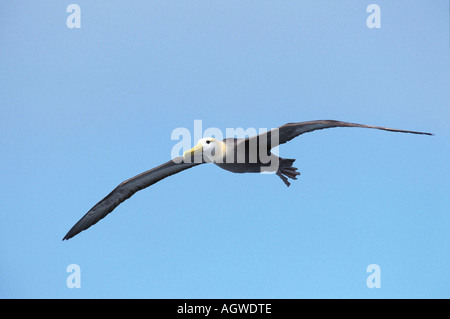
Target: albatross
245	155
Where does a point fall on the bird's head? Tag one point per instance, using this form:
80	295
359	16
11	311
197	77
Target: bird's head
209	147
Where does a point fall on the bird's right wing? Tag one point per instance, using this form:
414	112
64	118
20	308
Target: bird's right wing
125	190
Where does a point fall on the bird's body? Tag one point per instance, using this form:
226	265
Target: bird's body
239	158
247	155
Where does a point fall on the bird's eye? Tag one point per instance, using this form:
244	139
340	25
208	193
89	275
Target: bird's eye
208	141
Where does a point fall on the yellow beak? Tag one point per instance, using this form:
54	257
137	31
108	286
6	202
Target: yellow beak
196	150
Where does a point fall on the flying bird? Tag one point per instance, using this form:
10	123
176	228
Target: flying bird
245	155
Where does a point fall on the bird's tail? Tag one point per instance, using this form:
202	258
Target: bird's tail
286	169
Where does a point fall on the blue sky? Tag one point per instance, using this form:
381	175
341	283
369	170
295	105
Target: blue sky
84	109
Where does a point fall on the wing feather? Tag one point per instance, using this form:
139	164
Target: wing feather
289	131
125	190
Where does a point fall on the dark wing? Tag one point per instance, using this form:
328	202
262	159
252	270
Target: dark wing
289	131
125	190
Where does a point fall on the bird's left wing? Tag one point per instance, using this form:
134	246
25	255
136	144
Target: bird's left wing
289	131
125	190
